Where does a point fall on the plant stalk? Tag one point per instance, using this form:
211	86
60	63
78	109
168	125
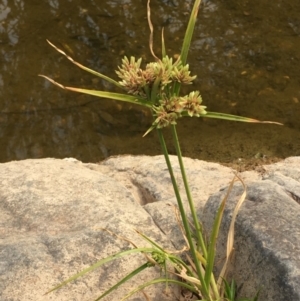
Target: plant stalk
188	192
182	213
199	235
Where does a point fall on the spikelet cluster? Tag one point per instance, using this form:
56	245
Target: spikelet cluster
161	76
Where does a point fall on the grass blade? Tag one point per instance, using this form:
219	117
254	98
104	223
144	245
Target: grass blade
230	237
229	290
108	79
153	243
163	45
151	31
187	39
98	264
160	280
116	96
189	32
123	280
213	238
234	118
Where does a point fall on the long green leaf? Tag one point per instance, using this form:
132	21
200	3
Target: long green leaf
99	263
187	39
123	280
229	290
230	236
234	118
116	96
189	32
160	280
152	242
213	238
108	79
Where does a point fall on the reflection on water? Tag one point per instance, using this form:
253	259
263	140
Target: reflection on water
246	57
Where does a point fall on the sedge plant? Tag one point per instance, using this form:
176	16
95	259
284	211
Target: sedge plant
157	86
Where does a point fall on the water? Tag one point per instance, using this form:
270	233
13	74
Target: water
245	54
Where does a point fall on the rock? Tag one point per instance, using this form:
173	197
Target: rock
267	236
52	213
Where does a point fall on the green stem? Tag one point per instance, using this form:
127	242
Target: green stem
154	88
199	236
188	193
204	288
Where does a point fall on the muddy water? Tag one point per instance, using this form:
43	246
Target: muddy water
246	56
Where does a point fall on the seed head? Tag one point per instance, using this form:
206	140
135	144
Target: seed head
131	76
191	104
164	118
182	74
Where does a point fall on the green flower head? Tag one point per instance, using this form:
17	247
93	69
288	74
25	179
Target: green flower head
191	104
182	75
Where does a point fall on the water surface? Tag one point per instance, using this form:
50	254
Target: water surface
245	54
